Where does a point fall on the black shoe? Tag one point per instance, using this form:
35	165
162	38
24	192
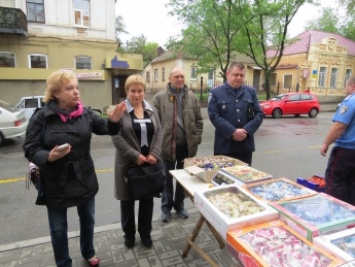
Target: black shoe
147	242
165	216
129	243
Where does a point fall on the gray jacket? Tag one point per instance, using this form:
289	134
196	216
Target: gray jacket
128	148
166	103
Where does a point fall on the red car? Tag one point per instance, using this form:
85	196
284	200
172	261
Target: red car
291	103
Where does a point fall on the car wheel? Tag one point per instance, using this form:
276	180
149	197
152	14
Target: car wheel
313	113
276	113
2	139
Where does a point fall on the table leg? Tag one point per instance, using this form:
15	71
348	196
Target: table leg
218	237
195	233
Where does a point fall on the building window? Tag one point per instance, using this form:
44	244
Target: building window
35	10
147	76
7	60
193	75
38	61
333	78
163	74
321	78
273	79
287	81
155	75
82	13
348	74
83	63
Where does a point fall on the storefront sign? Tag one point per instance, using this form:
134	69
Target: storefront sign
88	75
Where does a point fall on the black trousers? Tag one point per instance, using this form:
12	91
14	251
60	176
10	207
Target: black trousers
340	174
145	215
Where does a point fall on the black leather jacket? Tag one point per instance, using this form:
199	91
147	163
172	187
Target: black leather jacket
70	180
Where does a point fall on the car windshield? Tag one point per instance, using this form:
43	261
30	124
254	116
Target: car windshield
7	106
278	97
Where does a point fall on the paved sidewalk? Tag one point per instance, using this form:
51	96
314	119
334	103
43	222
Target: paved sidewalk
169	240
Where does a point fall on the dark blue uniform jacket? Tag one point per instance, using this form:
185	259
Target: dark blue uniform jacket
227	110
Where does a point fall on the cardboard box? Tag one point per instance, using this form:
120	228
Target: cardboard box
340	245
276	248
316	215
193	166
278	190
246	174
257	211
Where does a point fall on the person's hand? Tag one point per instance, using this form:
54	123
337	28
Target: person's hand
117	112
239	134
324	149
141	159
151	159
56	154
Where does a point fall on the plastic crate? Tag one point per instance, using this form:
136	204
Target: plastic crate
314	186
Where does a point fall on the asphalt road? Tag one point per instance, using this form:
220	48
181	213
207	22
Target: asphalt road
286	147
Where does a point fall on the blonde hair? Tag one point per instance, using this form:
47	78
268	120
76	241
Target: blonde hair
134	79
55	82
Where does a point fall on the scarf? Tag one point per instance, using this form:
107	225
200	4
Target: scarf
64	114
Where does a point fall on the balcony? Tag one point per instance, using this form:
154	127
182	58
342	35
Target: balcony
13	21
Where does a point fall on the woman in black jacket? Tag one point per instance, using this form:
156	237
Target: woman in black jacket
68	175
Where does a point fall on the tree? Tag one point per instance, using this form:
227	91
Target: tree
218	28
329	21
139	45
120	28
349	4
267	33
212	27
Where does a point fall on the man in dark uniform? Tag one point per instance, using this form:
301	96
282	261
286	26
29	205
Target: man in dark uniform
340	172
234	111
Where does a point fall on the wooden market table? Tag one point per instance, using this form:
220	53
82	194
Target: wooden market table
192	183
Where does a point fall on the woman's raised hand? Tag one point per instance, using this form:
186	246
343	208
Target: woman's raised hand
117	112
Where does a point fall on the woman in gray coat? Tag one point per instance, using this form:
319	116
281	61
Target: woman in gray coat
137	142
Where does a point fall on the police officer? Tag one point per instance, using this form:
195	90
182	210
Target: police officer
340	172
234	110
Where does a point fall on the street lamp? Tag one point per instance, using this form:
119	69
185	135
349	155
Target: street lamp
201	78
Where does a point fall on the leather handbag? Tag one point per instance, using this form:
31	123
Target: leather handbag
145	181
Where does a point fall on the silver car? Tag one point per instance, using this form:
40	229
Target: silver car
13	122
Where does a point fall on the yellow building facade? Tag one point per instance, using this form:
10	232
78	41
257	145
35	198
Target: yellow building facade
316	61
82	40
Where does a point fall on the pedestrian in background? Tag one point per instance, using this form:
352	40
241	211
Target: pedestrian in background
340	171
138	142
68	176
182	122
234	110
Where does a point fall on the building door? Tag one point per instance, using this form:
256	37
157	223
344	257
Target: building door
256	79
118	91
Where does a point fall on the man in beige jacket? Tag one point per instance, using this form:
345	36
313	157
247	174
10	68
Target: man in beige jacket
180	115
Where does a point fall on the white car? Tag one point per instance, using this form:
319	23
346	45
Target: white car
13	122
29	104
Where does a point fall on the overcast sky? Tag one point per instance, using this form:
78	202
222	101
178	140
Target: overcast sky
151	19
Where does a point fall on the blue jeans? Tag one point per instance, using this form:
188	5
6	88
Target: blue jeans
168	200
58	226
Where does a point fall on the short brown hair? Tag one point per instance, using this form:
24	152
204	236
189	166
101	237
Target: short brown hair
134	79
351	80
238	65
55	82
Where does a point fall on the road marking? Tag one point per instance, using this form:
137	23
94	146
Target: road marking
20	179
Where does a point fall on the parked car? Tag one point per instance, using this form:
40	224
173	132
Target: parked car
291	103
29	104
13	122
